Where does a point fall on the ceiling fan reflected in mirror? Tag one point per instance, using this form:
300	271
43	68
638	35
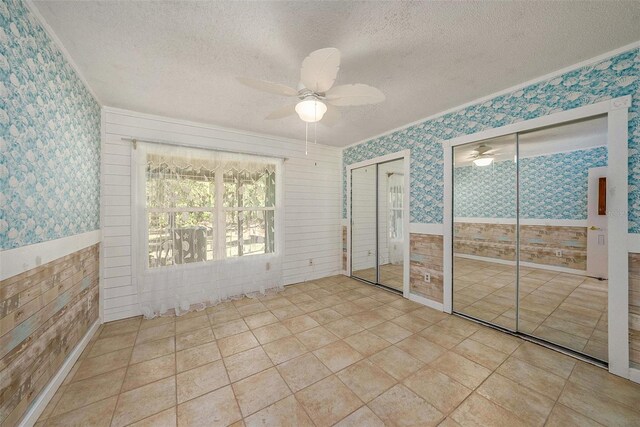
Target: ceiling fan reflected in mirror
482	155
317	96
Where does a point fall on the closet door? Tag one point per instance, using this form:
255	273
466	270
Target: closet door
485	239
390	224
363	224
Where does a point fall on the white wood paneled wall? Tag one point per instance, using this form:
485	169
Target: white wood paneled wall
312	194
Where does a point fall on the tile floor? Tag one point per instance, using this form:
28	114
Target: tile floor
391	275
566	309
330	352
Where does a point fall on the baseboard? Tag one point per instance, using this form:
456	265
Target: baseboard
634	375
45	396
426	301
523	264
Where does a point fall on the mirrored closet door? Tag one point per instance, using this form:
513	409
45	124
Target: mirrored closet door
377	224
530	234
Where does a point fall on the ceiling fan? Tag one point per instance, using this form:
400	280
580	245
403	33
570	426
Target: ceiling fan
317	97
482	155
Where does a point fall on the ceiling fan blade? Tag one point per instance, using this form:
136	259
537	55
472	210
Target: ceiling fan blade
356	94
283	112
265	86
319	69
331	117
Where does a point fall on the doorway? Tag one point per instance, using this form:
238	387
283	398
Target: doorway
378	211
529	211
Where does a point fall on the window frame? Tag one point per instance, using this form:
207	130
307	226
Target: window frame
217	210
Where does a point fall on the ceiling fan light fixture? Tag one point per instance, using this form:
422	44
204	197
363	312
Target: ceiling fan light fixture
311	109
483	161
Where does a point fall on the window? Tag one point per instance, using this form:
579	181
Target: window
208	207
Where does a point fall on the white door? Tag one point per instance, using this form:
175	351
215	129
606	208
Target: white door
597	256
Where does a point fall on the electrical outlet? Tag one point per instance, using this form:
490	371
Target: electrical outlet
427	277
559	253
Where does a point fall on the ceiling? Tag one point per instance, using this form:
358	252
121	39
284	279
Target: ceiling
179	59
577	135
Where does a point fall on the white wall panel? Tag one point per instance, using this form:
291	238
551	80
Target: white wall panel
312	194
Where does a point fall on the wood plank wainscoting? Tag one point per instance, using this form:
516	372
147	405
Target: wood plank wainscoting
44	313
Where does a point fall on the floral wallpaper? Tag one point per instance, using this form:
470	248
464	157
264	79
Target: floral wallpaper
551	187
610	78
49	137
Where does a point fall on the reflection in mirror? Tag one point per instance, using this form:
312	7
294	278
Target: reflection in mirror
563	236
363	223
484	230
390	223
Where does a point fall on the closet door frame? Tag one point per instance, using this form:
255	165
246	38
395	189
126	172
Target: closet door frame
399	155
617	111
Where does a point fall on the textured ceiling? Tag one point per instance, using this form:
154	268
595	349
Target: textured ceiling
179	59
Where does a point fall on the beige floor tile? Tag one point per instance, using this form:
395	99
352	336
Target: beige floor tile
325	315
286	413
412	323
303	371
360	418
300	323
197	356
497	340
188	325
438	389
536	379
441	336
600	381
237	343
338	355
251	309
480	353
421	348
367	343
218	317
284	349
366	380
316	338
399	406
230	328
251	395
120	327
328	401
525	403
82	393
272	332
461	369
192	339
598	407
201	380
396	362
156	332
389	313
448	422
142	402
348	309
247	363
166	418
260	319
390	332
156	321
479	411
216	409
153	349
561	416
109	344
367	319
344	327
149	371
92	366
287	312
97	414
544	358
